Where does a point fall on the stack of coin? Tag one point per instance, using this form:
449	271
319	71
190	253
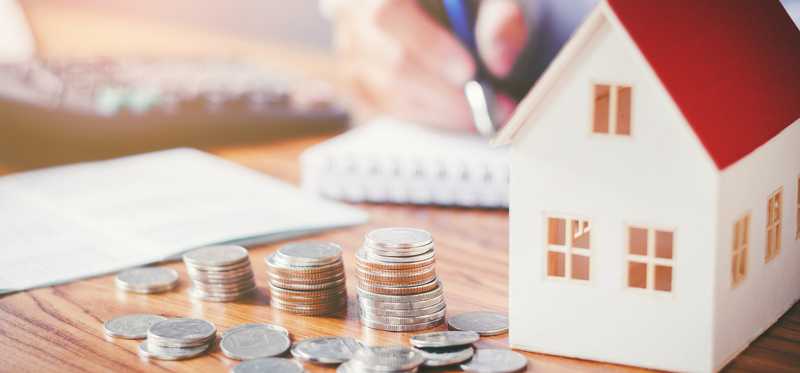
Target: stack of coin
307	278
398	289
219	273
394	359
178	339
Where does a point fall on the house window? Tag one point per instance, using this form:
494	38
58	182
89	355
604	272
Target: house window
650	259
612	109
741	243
568	248
774	209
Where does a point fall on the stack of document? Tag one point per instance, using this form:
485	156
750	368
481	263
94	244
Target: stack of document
75	221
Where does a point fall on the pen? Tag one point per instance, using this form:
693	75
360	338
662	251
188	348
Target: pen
478	91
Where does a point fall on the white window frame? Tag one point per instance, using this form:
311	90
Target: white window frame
650	259
568	249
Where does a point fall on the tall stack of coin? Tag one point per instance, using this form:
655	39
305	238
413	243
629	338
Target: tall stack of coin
398	289
219	273
178	339
307	278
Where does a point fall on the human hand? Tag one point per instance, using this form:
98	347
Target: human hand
397	60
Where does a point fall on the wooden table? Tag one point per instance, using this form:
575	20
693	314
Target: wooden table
60	328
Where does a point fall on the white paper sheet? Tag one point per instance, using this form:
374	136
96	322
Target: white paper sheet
70	222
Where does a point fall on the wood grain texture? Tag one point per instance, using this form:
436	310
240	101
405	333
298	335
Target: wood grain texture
60	328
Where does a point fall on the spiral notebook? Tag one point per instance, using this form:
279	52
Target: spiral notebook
390	161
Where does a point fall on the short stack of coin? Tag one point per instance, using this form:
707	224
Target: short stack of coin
398	289
178	339
307	278
220	273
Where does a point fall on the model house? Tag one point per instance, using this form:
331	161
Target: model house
655	181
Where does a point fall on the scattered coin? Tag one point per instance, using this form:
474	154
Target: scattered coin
495	361
307	278
147	280
398	289
326	350
386	359
269	365
444	356
255	325
132	326
219	273
482	322
445	339
254	342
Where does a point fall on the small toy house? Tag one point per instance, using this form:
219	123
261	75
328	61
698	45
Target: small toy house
655	176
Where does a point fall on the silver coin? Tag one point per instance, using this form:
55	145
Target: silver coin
147	279
326	350
368	256
412	305
181	331
146	350
255	325
213	256
399	328
132	326
398	238
495	361
419	312
386	358
482	322
254	342
438	291
438	315
269	365
440	357
445	339
309	253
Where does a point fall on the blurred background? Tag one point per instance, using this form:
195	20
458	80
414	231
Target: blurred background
91	79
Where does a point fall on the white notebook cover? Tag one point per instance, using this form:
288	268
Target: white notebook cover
392	161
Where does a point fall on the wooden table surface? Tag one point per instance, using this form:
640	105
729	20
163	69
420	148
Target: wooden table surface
60	328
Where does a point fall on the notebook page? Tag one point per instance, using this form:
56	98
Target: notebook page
135	210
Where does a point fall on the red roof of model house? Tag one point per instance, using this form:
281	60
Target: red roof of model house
731	66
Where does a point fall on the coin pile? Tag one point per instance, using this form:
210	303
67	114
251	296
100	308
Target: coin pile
178	339
219	273
394	359
307	278
398	289
147	280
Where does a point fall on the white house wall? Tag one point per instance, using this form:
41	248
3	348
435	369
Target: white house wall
659	177
768	289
